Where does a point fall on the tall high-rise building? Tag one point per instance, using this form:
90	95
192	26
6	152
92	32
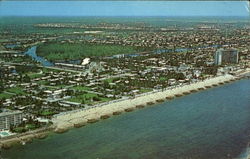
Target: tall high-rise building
8	119
226	56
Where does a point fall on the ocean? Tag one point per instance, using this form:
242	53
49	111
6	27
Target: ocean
210	124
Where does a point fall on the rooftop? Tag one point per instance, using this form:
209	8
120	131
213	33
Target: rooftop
10	113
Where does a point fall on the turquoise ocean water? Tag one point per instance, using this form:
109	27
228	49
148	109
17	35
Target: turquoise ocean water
211	124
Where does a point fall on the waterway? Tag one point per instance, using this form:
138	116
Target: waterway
211	124
32	53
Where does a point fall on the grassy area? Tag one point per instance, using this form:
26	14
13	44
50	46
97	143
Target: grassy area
105	99
110	80
19	129
87	98
43	82
30	126
35	75
144	90
5	95
48	86
66	51
163	78
47	70
81	88
16	90
25	128
46	113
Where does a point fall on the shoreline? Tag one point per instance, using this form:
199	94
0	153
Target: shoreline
79	118
24	138
67	121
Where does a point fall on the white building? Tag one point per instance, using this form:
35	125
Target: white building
11	118
224	56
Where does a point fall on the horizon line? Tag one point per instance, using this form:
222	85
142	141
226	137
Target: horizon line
124	16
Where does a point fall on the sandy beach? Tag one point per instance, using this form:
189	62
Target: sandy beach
66	121
78	118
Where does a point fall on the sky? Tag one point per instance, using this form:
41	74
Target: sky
124	8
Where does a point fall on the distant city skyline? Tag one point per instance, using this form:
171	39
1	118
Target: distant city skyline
124	8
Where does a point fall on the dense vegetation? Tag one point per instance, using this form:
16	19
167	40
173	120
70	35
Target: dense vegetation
68	51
